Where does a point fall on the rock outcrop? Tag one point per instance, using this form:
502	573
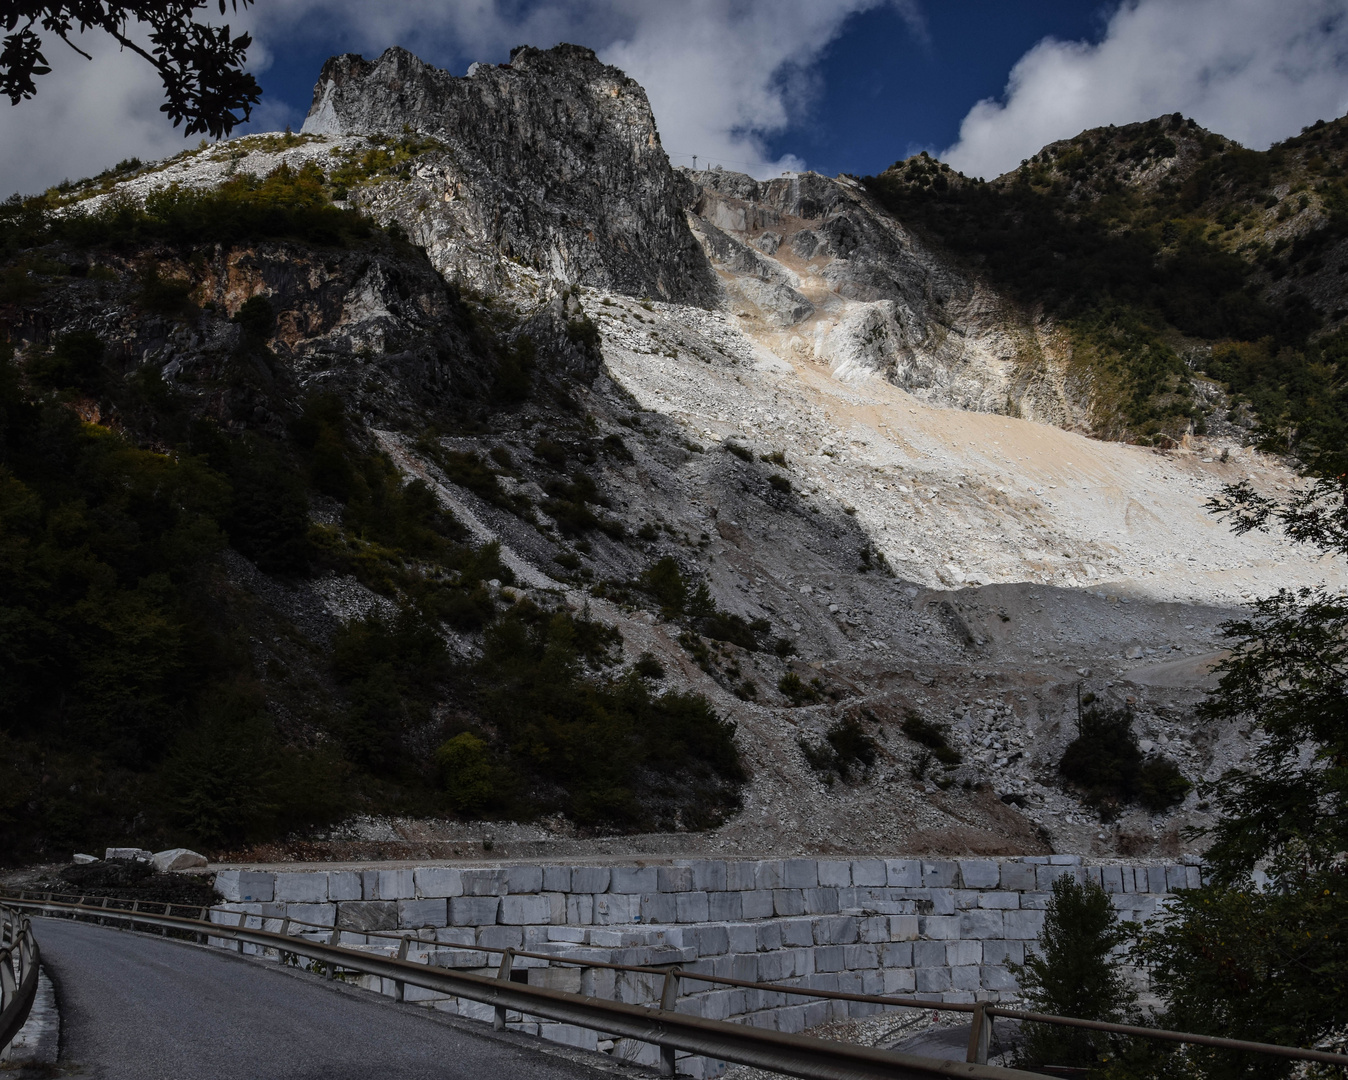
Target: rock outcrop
818	270
552	160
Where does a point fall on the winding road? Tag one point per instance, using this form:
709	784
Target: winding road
136	1007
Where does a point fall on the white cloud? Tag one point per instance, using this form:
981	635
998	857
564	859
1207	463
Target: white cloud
721	74
87	115
1252	70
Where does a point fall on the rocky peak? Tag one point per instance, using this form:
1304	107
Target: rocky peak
553	160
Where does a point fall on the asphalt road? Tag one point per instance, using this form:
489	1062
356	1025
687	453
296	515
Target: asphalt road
135	1007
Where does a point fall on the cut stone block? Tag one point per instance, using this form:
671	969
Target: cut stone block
633	879
900	980
938	875
837	874
658	907
525	909
821	901
1017	876
473	910
995	977
756	904
960	953
590	879
725	906
692	906
413	913
438	881
480	881
366	915
896	954
800	874
869	872
904	873
674	878
245	885
830	958
788	902
1111	879
933	980
396	885
979	874
1022	925
302	888
929	953
981	923
135	854
709	875
966	978
835	930
344	885
940	927
768	874
1002	900
524	879
557	879
904	927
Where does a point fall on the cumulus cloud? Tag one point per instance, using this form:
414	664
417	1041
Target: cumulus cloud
723	75
1254	71
86	116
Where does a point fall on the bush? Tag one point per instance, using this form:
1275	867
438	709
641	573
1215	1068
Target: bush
1105	762
467	771
931	735
664	581
847	749
797	690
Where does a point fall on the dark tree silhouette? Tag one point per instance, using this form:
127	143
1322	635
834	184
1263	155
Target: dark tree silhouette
201	66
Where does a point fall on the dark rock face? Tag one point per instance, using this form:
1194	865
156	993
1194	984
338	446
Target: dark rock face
552	160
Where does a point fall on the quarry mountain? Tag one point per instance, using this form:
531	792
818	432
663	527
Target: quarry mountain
456	471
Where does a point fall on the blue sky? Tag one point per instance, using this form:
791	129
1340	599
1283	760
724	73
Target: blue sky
832	85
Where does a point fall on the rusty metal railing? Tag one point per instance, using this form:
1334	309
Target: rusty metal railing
19	959
982	1014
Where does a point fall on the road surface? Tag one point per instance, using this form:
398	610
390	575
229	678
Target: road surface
135	1007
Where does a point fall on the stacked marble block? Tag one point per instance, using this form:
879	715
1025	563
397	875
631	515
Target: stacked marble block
937	929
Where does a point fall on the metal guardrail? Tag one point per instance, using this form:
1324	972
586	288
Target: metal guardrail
794	1055
19	958
715	1042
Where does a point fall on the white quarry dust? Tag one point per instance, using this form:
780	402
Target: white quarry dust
955	498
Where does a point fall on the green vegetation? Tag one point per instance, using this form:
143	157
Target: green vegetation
152	694
290	204
1105	762
1073	972
847	750
932	735
1152	276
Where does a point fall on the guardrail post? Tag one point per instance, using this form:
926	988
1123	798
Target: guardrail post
335	938
979	1035
507	958
399	987
243	925
669	994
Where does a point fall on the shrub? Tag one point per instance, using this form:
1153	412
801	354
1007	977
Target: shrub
649	667
796	689
1104	760
933	736
847	749
779	483
466	769
741	452
664	581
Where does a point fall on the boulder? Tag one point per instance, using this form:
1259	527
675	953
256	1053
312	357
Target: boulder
81	859
138	854
176	859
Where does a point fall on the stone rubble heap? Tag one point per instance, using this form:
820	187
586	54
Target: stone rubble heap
944	930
